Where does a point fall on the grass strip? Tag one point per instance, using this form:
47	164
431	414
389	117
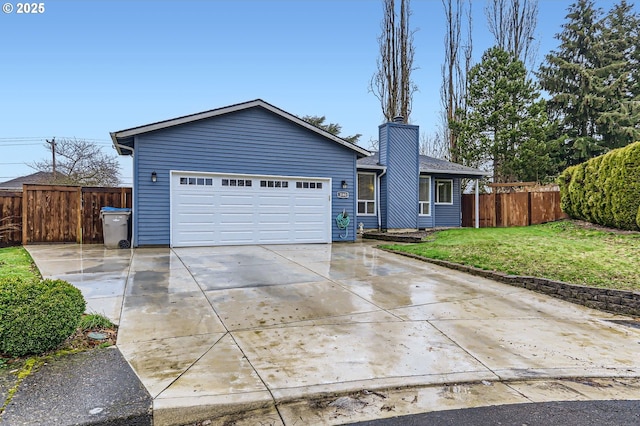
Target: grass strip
16	261
559	251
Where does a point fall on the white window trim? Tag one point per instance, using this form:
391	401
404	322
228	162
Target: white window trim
420	203
375	195
437	202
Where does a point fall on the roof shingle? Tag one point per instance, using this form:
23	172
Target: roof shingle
428	165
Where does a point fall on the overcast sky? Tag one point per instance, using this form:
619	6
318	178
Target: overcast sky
85	68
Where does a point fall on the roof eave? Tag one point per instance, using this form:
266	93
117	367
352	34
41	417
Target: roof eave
470	173
126	133
371	167
119	146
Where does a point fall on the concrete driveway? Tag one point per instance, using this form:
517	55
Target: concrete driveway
219	330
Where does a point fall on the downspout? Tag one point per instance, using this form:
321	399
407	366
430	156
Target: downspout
477	204
378	195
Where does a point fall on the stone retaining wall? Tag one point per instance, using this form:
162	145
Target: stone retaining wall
616	301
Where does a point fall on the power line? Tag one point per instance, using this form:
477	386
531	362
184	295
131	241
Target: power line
24	137
20	144
21	139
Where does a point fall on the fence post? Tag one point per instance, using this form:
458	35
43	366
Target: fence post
477	204
79	213
24	214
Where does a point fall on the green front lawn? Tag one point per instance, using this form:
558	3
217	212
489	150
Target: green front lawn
560	251
16	261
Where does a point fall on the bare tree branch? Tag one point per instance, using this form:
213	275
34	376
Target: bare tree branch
513	25
80	162
392	83
433	145
453	91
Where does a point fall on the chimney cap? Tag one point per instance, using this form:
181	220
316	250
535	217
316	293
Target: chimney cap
398	119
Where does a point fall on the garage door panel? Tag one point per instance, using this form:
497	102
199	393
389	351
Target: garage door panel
196	204
288	210
197	237
274	204
302	200
236	237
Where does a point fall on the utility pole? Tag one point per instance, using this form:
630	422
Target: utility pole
52	142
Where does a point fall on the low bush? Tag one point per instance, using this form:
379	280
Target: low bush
605	190
36	316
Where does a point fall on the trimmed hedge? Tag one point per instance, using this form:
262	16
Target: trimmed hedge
605	190
37	316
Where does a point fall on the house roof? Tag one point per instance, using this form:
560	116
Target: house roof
123	139
427	165
16	184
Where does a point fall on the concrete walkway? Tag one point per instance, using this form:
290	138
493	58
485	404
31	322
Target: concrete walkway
224	330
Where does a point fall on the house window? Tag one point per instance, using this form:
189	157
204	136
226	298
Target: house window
196	181
273	184
236	182
425	196
444	191
366	193
309	185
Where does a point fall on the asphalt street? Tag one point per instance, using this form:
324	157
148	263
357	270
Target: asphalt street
574	413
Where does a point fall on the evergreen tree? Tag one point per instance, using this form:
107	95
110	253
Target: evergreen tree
333	128
568	75
593	81
619	77
506	122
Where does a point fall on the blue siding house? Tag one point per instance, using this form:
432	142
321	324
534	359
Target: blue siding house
252	173
399	189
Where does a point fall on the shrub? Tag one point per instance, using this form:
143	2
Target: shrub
37	316
605	190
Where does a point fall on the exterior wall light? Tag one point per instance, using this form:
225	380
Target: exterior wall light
344	184
154	176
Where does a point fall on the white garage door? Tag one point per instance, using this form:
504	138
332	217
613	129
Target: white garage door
215	209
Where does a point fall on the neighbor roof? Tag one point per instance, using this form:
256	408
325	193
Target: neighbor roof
427	165
123	139
16	184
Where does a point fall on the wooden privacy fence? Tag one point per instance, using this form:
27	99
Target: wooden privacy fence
10	217
512	209
60	214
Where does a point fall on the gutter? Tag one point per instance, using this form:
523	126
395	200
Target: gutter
119	147
456	172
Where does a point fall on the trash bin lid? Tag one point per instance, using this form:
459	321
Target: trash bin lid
115	209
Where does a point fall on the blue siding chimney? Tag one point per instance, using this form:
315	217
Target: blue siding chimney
399	152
